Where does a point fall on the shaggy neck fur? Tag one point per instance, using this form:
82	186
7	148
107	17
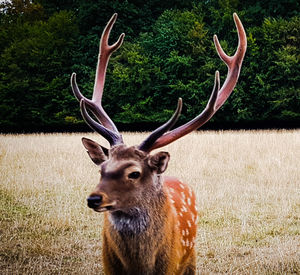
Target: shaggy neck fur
133	222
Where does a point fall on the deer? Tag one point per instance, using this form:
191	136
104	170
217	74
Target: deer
150	220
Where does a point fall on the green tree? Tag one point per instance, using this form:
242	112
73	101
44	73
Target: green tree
168	53
35	64
279	75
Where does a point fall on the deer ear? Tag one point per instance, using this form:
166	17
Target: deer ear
159	161
97	153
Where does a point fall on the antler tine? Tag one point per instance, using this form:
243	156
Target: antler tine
218	96
112	137
76	90
148	142
105	51
95	105
234	63
191	125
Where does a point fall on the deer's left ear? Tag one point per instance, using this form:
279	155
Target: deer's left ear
159	161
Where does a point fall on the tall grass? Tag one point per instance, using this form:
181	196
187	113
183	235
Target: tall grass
247	185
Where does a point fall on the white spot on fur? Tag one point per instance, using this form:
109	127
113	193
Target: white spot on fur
183	242
189	201
181	185
193	217
189	223
183	232
187	232
183	195
184	209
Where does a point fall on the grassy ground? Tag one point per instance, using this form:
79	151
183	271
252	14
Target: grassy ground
247	184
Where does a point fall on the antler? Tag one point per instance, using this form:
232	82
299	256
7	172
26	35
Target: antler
218	96
108	128
148	142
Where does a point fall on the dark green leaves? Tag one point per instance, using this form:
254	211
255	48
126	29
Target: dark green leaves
168	53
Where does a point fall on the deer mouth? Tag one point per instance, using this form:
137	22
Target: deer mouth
104	208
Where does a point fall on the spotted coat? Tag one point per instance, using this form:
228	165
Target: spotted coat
183	201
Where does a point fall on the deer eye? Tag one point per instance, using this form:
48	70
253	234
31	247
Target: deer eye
134	175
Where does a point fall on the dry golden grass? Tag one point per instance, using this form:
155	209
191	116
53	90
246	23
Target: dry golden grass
247	185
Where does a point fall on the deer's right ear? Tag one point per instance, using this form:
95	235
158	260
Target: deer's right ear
97	153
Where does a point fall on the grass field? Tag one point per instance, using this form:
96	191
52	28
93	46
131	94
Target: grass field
247	185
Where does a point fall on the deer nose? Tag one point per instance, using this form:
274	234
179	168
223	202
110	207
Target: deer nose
94	201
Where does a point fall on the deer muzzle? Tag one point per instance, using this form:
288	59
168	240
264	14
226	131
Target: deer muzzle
100	202
94	201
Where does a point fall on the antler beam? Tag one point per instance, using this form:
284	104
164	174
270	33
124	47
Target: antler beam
95	105
148	142
218	96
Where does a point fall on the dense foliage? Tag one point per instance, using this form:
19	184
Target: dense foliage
168	53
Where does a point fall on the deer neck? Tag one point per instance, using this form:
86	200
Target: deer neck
137	236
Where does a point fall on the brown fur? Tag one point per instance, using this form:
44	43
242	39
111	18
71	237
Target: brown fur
143	231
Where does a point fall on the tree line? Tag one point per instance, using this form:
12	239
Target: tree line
168	53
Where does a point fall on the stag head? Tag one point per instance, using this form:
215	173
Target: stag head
127	175
130	175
